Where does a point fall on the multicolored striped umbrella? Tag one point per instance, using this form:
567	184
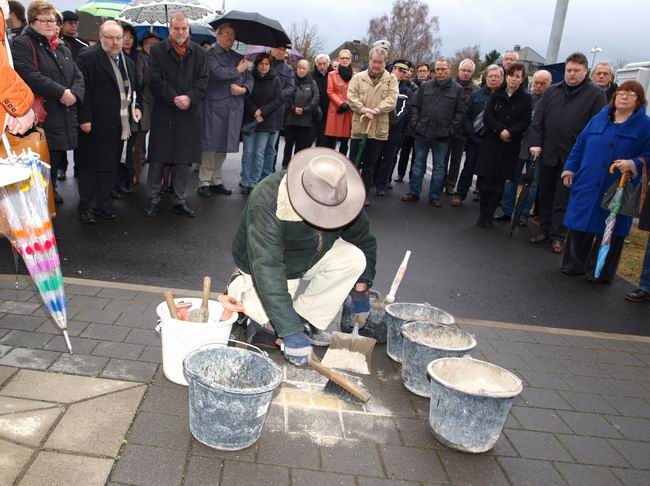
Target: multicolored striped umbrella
105	8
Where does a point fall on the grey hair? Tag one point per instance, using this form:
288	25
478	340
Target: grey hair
322	56
302	61
467	61
443	59
611	68
511	52
493	67
378	50
223	26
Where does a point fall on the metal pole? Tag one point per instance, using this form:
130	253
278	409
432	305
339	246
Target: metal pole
555	38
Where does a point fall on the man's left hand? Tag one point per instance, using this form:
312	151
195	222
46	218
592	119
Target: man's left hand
137	115
237	90
182	102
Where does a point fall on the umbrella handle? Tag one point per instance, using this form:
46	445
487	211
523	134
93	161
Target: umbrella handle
624	175
369	123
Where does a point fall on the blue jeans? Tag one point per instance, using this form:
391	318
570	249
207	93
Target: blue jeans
419	166
644	282
253	156
270	152
510	192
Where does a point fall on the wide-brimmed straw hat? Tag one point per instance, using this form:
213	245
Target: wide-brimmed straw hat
325	189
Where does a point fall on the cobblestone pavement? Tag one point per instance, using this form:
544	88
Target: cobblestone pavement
583	417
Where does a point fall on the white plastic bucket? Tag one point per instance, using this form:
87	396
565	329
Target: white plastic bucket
181	337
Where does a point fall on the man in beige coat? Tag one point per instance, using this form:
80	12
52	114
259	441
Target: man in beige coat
372	95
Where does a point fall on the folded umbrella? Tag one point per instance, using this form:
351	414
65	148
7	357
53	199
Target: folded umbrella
523	195
253	28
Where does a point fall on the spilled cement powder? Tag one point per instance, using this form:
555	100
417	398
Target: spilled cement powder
345	359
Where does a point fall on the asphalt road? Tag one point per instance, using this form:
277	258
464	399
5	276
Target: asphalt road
472	273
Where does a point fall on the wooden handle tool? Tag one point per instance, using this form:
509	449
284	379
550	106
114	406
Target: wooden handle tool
390	298
171	305
205	313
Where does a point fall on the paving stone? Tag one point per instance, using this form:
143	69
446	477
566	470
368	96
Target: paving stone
135	319
119	294
143	336
202	472
15	307
537	445
318	424
589	424
147	297
508	361
540	398
14	458
583	354
470	469
632	477
5	371
618	357
632	428
75	289
587	402
585	342
20	322
12	283
416	433
26	339
345	457
74	328
171	399
79	364
161	430
118	350
288	450
508	347
549	350
57	468
627	372
89	302
318	478
618	345
629	406
384	482
412	464
542	363
543	379
515	335
29	358
274	419
106	332
244	455
579	474
531	472
79	345
503	448
587	384
585	368
149	466
392	404
97	426
3	332
134	308
539	419
151	354
129	370
643	357
591	450
257	474
16	294
370	428
480	331
71	311
636	453
550	338
98	316
29	427
627	388
4	349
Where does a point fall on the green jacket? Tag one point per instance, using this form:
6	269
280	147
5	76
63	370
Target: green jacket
274	245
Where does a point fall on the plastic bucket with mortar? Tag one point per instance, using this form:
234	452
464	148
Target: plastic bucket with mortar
424	342
399	313
181	337
470	402
230	392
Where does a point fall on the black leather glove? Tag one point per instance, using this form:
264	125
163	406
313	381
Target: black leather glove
343	108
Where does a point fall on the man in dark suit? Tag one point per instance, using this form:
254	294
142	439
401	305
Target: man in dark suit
104	120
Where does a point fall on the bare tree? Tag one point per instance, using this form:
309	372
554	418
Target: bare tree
469	52
306	39
619	64
411	31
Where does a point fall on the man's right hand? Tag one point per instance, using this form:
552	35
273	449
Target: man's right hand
85	127
68	99
535	152
237	90
297	349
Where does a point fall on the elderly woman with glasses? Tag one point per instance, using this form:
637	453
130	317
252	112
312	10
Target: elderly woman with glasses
620	136
339	117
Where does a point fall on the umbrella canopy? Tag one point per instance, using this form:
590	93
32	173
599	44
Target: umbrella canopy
105	8
253	28
198	33
159	12
253	51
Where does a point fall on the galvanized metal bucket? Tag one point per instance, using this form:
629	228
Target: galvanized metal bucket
470	402
400	313
230	390
424	342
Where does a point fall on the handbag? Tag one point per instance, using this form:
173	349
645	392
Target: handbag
634	195
478	124
39	101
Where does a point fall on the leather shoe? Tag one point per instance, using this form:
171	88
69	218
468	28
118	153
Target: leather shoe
106	214
638	295
245	190
557	246
126	188
60	175
435	203
204	191
116	195
151	210
87	217
410	197
538	239
503	217
220	189
456	201
381	192
183	210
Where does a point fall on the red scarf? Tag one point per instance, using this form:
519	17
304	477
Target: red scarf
54	42
180	48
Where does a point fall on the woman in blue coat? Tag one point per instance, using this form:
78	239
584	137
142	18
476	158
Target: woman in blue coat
619	135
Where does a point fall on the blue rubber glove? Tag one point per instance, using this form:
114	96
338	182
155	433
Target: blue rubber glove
360	301
297	349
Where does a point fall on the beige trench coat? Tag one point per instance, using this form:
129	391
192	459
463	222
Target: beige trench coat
383	97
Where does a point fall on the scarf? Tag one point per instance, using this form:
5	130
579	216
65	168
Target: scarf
125	96
180	49
345	72
54	43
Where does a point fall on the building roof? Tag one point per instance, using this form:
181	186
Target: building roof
528	54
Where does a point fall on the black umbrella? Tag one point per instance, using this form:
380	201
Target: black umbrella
253	28
523	194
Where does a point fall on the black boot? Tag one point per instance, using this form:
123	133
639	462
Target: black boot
484	220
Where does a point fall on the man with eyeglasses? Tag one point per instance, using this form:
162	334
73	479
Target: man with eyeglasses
602	76
560	115
70	33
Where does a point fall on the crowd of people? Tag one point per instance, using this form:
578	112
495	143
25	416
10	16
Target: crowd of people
172	104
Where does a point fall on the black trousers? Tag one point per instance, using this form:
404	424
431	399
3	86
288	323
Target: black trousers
319	136
456	149
57	160
180	177
298	137
386	163
581	253
343	147
553	201
407	151
95	188
369	158
491	193
467	175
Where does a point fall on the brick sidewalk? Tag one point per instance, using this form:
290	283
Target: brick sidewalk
583	417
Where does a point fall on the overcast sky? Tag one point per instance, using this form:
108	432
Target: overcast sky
496	24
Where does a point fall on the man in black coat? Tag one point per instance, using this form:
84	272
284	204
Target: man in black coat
70	34
322	68
179	80
104	120
560	115
643	292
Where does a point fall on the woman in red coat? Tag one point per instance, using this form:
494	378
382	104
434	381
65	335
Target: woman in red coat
339	116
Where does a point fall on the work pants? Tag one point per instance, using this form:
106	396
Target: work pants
210	170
